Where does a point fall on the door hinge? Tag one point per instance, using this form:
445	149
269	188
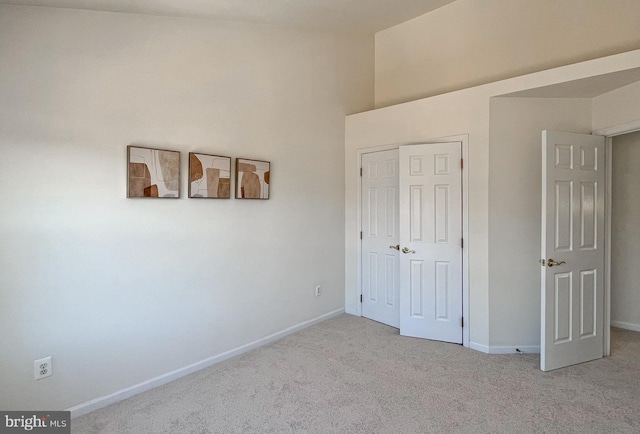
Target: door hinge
462	321
461	163
462	242
361	171
360	234
360	298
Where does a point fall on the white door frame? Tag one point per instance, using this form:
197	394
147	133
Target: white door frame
610	133
464	140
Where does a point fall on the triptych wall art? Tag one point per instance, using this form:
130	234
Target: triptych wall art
155	173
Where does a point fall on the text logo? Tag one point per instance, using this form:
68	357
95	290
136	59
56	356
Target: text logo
40	422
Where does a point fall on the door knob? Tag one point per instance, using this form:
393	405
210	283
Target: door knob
406	250
551	263
397	247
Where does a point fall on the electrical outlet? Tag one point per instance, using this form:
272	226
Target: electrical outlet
42	368
318	289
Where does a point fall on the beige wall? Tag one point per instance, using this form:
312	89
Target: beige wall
119	290
617	107
515	209
625	237
471	42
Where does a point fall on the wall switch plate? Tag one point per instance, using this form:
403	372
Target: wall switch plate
42	368
318	290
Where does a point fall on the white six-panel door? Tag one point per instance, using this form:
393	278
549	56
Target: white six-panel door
380	226
431	241
572	246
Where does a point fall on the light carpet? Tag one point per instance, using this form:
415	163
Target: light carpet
353	375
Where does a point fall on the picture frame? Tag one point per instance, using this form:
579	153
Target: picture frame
209	176
253	179
153	173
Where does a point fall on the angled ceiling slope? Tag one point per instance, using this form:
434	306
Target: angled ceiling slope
355	16
582	88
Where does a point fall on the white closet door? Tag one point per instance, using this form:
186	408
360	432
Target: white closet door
431	241
380	223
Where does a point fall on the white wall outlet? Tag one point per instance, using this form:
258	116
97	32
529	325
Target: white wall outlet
42	368
318	290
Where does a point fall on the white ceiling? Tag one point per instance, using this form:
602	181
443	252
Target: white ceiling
359	16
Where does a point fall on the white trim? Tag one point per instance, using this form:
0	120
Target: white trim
379	149
617	130
626	325
606	320
103	401
352	311
524	349
509	349
463	139
479	347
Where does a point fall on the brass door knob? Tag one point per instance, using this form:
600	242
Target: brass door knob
406	250
551	263
396	247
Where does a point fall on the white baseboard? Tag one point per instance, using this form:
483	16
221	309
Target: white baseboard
351	311
479	347
509	349
104	401
626	325
525	349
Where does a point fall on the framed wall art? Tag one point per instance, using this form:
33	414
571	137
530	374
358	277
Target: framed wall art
209	176
252	179
153	173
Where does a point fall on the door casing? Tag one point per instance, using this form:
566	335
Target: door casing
464	140
610	133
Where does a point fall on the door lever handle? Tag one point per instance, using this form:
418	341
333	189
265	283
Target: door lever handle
397	247
551	263
406	250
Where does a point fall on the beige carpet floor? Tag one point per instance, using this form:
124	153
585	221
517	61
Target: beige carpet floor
353	375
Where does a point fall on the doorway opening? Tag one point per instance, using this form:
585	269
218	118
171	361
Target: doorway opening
624	235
